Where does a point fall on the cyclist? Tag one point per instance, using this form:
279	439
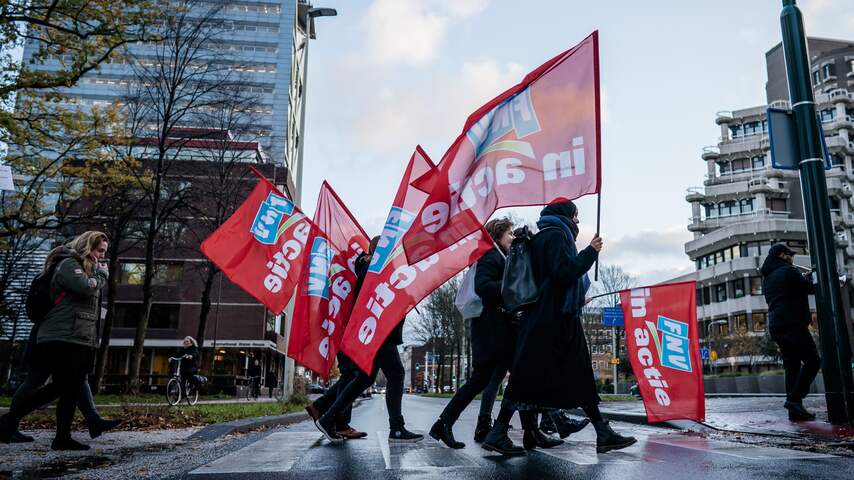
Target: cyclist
189	362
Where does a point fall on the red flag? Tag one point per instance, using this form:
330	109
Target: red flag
325	294
664	348
392	287
533	144
260	246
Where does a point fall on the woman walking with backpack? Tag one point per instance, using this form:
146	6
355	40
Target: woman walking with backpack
552	368
67	337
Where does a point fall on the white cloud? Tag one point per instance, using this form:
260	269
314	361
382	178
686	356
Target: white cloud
412	31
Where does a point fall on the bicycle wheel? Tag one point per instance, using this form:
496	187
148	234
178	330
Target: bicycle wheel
173	391
279	393
192	393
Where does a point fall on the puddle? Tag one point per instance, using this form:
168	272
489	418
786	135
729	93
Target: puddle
59	468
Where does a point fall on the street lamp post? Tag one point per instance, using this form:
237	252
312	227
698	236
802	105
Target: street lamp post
836	351
310	15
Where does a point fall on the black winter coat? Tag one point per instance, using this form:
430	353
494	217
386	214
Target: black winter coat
363	261
787	294
189	366
492	336
552	366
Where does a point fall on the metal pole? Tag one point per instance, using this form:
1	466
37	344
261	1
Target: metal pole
614	355
302	110
836	350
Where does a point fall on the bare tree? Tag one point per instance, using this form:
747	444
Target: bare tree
441	325
175	80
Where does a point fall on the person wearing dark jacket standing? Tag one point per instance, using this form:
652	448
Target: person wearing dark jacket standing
552	368
388	360
67	337
787	294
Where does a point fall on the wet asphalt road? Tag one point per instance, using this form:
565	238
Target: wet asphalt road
299	452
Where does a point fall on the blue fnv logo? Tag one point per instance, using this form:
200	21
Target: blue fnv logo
514	114
398	222
674	346
272	213
319	268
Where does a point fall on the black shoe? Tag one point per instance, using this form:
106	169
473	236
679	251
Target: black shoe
567	426
534	438
326	425
547	425
102	426
401	434
15	437
442	432
484	425
68	444
607	439
797	411
498	441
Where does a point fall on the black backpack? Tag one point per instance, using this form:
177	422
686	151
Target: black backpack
39	302
519	289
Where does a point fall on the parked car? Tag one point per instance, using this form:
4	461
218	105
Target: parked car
316	388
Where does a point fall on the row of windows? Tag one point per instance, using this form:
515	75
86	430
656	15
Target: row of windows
757	323
267	8
126	81
162	315
746	249
828	72
249	27
133	273
600	349
225	47
729	208
739	165
749	128
739	288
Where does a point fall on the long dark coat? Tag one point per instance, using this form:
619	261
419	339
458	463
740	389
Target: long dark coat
552	366
787	294
491	335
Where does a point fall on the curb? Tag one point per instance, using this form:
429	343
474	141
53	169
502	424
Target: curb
218	430
640	419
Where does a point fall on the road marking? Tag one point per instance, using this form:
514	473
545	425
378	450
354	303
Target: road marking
426	454
732	449
277	452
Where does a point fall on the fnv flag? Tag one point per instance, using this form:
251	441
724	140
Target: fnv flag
535	143
392	287
325	294
260	247
664	348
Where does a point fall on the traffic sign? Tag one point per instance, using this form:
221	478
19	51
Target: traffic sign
704	353
612	317
783	140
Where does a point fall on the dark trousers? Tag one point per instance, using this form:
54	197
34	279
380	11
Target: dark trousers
487	397
387	360
481	378
800	359
348	374
33	394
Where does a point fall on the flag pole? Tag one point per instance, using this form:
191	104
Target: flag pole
598	221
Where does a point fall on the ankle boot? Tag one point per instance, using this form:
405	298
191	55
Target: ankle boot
498	441
484	425
607	439
101	425
443	432
566	426
547	425
797	411
534	438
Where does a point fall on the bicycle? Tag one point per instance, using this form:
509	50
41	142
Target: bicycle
252	393
176	389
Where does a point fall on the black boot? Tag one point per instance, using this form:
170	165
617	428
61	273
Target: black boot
498	441
547	425
68	444
100	426
534	438
484	425
566	426
442	432
399	433
797	411
607	439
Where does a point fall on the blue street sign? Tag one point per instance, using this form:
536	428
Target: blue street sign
612	317
783	140
704	353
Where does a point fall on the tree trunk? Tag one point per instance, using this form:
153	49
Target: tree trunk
104	346
206	306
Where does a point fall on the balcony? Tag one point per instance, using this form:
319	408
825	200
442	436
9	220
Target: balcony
752	303
744	144
839	186
724	116
764	225
695	194
735	268
698	224
711	152
848	220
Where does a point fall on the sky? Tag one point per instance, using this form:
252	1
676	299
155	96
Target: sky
386	75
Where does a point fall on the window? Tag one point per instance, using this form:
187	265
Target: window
724	168
163	315
133	273
740	322
723	329
719	291
835	204
829	71
777	204
707	295
850	66
756	285
758	321
740	165
827	115
735	131
758	161
738	288
816	77
745	205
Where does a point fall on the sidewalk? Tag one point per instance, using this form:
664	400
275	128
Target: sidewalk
752	415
